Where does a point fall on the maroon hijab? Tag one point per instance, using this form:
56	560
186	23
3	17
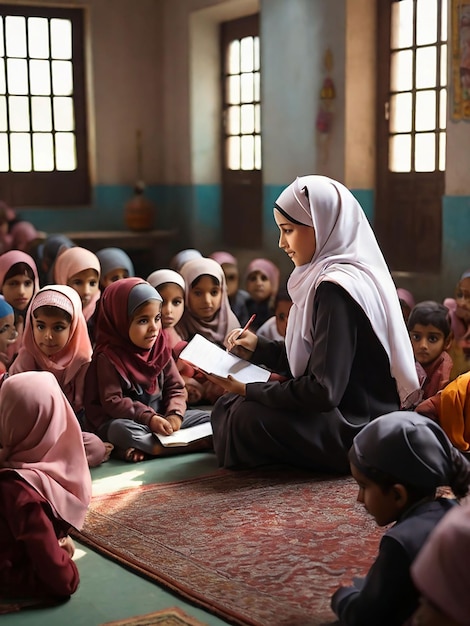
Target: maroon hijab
134	364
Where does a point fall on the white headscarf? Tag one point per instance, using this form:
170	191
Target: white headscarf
347	253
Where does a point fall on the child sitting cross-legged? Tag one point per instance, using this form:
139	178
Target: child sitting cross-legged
45	489
56	340
133	390
431	337
398	461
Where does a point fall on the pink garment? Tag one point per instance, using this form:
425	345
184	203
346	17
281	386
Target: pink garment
437	375
70	364
223	321
45	446
459	327
23	233
441	572
266	267
223	257
406	296
71	262
12	257
7	260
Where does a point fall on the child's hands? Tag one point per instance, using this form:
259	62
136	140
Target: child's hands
68	545
160	425
175	421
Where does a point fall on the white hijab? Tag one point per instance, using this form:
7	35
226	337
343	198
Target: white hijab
347	253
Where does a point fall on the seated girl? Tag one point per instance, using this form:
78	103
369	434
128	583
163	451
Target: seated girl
262	284
45	488
115	264
80	269
208	313
18	283
56	340
133	390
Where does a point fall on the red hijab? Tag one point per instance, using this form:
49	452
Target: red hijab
136	365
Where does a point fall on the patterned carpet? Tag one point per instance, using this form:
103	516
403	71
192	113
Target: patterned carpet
168	617
256	548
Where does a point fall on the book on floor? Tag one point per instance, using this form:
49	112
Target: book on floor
209	357
185	436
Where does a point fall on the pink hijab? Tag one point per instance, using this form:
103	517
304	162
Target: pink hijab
12	257
268	268
71	262
42	442
7	260
440	571
65	364
224	320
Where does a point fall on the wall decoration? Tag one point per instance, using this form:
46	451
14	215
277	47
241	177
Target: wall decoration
460	59
324	121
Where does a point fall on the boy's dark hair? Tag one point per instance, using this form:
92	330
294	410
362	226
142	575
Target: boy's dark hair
52	311
431	313
19	269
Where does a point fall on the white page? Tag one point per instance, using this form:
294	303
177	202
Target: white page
210	358
184	436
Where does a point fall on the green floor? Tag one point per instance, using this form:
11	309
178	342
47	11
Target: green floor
107	591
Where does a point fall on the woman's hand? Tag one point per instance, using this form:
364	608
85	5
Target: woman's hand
160	425
228	384
242	346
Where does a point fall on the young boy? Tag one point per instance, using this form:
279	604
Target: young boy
431	337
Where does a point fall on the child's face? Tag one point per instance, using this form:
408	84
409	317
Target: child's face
381	504
231	278
8	332
428	343
146	324
173	304
51	332
427	614
259	286
18	291
113	276
205	298
282	313
85	284
462	298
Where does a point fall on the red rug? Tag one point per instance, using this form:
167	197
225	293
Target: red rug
256	548
168	617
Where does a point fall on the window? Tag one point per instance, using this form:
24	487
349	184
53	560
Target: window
418	86
43	143
242	105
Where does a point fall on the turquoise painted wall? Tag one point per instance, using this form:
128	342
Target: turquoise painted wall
195	212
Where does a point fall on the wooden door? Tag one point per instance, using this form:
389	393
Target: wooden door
241	133
411	123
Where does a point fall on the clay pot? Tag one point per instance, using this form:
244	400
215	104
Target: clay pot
139	212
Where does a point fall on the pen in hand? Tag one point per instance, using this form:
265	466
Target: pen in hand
247	326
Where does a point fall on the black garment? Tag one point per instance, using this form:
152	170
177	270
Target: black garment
387	596
310	421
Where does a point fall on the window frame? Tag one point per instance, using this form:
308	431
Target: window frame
56	188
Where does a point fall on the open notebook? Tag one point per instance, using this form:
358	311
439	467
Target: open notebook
210	358
184	436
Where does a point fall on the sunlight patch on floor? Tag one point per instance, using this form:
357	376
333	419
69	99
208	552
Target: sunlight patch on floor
111	484
78	554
